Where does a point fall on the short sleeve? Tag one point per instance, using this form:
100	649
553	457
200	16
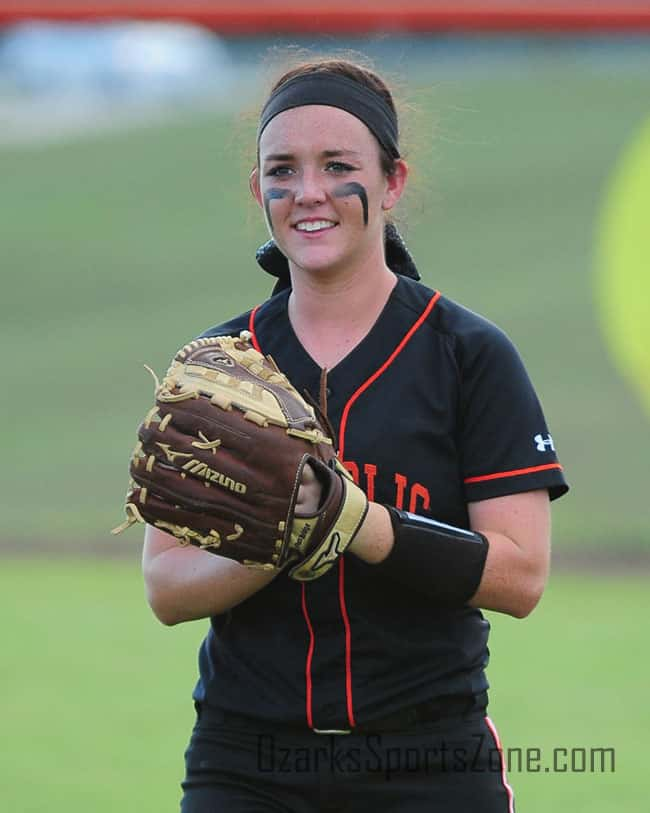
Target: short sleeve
231	328
505	444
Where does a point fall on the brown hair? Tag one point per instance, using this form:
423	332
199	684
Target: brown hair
357	73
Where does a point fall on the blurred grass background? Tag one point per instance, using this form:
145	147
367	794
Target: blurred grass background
117	248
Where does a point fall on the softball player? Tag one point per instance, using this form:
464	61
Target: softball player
367	686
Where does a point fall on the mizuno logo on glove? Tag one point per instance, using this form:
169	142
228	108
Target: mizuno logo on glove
199	469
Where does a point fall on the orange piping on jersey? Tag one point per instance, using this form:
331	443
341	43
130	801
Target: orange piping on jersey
514	473
504	779
344	421
310	653
348	643
251	327
381	370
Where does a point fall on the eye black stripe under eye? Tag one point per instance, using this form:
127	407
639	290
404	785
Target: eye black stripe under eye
274	193
354	188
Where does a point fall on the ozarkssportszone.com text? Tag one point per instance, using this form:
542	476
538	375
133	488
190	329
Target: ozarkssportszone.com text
376	756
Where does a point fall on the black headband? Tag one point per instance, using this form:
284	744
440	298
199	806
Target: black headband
334	90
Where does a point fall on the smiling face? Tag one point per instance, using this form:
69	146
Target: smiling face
323	190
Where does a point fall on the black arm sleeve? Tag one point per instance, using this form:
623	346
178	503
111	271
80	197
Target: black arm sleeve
440	561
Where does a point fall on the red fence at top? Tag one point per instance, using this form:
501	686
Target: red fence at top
352	17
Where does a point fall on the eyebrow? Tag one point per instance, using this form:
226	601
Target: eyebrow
288	156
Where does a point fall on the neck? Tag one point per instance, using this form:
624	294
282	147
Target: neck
332	314
340	302
322	298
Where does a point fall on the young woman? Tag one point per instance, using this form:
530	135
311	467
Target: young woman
367	686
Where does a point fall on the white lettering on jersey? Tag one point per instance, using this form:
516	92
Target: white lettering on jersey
544	444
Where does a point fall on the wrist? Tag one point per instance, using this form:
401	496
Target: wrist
443	562
374	541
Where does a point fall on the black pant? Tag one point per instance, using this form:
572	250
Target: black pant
450	766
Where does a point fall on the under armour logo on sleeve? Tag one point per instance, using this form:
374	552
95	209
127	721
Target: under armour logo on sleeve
544	444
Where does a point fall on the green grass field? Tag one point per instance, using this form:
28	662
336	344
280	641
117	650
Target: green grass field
118	248
96	707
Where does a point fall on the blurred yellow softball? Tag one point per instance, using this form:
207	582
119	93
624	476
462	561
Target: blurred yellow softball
624	265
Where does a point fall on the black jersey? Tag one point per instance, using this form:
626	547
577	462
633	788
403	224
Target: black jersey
433	409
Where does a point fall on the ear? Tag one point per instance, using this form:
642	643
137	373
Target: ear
395	185
254	186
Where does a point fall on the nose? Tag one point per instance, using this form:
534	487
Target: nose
310	190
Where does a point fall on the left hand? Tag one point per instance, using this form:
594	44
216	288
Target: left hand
309	493
374	540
